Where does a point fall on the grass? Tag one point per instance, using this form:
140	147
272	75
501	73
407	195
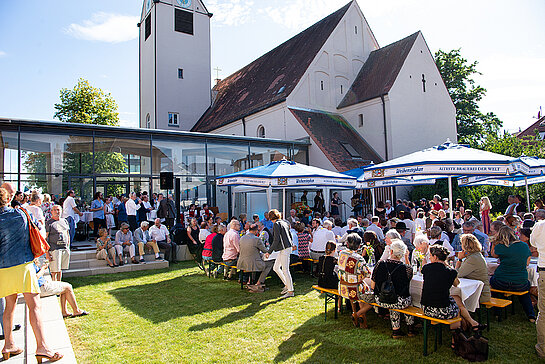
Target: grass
178	315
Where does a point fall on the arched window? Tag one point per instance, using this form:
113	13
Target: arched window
261	131
148	121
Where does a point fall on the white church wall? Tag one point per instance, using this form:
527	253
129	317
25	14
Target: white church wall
336	65
372	129
419	119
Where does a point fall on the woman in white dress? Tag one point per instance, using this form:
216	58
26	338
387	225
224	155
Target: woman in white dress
109	214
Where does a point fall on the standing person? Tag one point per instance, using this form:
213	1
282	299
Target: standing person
537	240
319	202
304	198
46	206
58	237
36	211
18	275
282	243
335	205
122	211
99	219
305	239
131	208
144	210
109	214
17	199
484	208
170	212
459	206
159	233
71	213
266	222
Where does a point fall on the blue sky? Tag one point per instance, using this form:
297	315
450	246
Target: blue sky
48	45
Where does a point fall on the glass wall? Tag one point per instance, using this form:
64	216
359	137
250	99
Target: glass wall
57	157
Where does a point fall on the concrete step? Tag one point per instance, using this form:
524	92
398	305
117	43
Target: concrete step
93	262
83	272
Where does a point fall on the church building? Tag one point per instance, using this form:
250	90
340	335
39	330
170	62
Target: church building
332	84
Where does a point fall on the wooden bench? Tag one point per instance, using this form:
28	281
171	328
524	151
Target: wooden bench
509	294
332	294
245	271
312	262
494	302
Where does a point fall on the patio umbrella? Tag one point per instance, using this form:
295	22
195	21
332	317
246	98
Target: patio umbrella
394	182
285	174
442	161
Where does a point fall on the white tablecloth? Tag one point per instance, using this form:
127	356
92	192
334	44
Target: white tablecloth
470	288
492	264
87	216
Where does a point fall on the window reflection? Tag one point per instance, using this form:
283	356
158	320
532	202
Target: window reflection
178	156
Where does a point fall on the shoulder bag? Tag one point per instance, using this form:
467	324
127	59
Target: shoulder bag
38	244
387	292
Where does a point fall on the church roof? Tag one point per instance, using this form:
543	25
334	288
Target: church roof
269	79
341	144
531	130
378	74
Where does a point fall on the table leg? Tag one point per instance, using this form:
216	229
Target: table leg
425	345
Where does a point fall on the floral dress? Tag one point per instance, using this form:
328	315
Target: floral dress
352	272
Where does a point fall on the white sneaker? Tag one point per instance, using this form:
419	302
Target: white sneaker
288	294
284	291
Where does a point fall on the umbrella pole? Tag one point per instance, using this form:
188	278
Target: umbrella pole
283	203
373	201
527	193
451	206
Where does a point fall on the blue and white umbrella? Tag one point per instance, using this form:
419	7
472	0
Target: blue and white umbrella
393	182
442	161
287	174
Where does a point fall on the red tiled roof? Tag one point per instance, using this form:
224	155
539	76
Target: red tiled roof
379	72
269	79
329	132
531	130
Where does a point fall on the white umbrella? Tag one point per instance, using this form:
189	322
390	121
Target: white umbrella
285	174
442	161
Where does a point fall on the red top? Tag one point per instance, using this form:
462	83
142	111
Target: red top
207	250
437	207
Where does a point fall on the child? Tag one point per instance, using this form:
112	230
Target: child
327	277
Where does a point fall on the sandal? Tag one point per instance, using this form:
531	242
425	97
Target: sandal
54	357
362	320
7	354
355	319
83	313
479	327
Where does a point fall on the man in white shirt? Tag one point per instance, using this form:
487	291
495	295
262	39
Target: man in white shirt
71	213
537	240
321	236
159	233
131	208
375	228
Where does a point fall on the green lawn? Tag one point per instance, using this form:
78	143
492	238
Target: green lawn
178	315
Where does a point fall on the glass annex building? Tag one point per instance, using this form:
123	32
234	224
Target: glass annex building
88	158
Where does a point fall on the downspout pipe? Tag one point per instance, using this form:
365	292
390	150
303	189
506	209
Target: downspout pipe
386	156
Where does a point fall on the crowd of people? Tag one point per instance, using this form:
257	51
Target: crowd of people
360	257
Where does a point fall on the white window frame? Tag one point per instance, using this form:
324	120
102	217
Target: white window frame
174	120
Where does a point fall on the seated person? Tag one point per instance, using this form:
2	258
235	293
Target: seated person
250	258
439	299
371	239
207	247
143	239
217	250
352	272
389	237
468	227
471	264
436	237
353	227
105	248
421	244
231	248
50	288
160	235
401	275
124	243
511	274
327	277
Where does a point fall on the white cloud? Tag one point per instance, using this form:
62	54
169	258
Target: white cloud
106	27
231	13
2	54
298	14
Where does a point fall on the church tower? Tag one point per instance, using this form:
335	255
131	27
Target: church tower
174	64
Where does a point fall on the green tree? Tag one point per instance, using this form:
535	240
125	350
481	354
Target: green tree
457	73
85	104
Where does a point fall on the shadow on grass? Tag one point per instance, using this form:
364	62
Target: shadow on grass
192	293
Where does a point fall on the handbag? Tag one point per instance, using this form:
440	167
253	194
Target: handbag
474	348
38	244
387	292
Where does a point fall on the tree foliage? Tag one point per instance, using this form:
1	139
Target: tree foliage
458	74
85	104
